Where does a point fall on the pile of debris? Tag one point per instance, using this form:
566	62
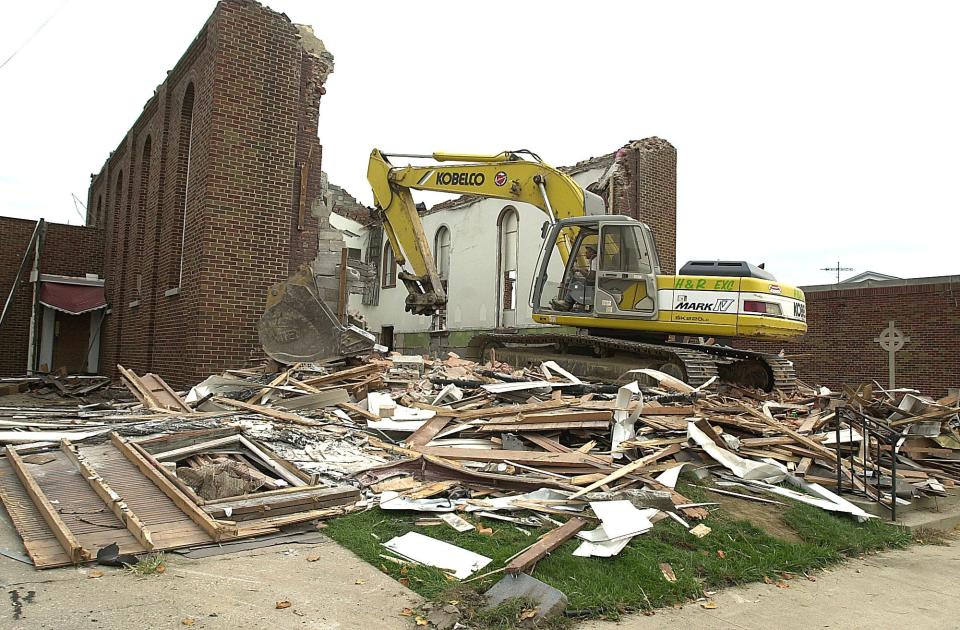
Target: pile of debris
247	452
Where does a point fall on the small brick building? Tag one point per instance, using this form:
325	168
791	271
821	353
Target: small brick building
845	320
210	196
67	255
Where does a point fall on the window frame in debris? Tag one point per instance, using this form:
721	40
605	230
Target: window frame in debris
389	267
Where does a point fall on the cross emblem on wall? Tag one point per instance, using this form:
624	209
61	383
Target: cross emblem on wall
892	341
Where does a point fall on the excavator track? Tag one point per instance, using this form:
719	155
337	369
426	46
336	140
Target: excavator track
694	363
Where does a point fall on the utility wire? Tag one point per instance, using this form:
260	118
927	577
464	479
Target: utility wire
34	34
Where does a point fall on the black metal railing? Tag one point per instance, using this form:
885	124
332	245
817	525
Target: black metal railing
864	473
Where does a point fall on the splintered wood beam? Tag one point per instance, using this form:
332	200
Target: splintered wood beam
532	458
525	427
625	470
64	536
182	501
358	410
802	439
115	502
491	412
276	414
428	431
566	416
342	375
550	541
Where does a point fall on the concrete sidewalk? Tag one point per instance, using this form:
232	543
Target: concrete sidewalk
240	590
913	588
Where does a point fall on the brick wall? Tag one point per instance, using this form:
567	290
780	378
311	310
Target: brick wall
209	174
839	347
67	250
644	186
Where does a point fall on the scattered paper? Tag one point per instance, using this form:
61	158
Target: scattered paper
670	476
620	522
623	419
436	553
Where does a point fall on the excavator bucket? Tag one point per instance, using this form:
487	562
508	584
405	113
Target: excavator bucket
297	326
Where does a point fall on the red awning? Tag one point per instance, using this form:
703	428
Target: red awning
72	298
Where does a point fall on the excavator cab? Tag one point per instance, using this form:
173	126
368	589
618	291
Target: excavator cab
597	266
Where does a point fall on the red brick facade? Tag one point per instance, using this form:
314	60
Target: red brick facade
213	162
644	186
66	250
839	347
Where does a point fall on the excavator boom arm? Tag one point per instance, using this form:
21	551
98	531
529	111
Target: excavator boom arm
501	176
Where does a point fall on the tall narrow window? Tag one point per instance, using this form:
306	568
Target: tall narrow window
507	265
389	267
115	219
184	156
441	251
142	211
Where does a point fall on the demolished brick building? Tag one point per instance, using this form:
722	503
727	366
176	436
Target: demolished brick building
208	199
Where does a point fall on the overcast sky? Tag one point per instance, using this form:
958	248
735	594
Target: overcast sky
807	133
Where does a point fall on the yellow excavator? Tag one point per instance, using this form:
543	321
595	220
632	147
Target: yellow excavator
597	273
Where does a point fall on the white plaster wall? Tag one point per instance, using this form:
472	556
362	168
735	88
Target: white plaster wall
473	300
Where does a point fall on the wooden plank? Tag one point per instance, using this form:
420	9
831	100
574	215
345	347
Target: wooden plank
60	530
343	375
116	503
428	431
162	392
802	439
648	408
521	457
359	411
196	448
550	541
775	441
311	498
627	469
327	398
803	467
188	507
566	416
547	444
492	412
137	388
284	416
523	427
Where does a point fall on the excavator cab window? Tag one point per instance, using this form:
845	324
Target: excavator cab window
569	286
626	284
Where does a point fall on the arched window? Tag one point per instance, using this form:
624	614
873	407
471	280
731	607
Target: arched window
184	156
441	252
507	265
389	274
